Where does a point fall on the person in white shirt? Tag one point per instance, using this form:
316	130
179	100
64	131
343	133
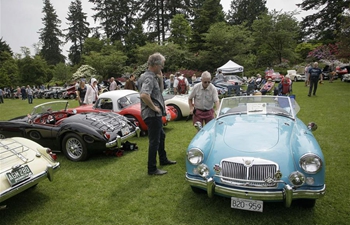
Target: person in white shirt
91	92
113	85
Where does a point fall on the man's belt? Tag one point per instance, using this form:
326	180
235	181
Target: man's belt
204	110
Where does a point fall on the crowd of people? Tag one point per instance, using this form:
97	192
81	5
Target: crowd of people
24	93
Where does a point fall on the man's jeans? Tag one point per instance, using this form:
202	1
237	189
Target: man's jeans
30	99
156	137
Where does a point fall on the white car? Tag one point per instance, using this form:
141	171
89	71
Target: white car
24	163
346	77
294	76
178	102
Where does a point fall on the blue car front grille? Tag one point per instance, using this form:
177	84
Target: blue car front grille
256	175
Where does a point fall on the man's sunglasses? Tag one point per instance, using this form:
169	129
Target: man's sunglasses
206	82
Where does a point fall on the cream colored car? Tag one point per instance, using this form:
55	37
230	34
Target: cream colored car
294	76
23	164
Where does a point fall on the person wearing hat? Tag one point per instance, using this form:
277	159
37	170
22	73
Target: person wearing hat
91	94
267	86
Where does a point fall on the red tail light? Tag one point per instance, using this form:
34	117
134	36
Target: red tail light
106	135
53	155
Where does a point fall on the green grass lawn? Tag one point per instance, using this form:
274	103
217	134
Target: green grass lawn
117	190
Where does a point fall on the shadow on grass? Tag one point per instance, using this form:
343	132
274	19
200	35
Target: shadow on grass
220	208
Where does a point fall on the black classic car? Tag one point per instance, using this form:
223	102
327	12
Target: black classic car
76	135
54	92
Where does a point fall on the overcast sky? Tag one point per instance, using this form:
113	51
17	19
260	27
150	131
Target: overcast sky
20	20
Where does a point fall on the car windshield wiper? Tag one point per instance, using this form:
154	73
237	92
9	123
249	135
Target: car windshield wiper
280	114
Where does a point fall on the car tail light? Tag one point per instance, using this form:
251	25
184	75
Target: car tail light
53	155
106	135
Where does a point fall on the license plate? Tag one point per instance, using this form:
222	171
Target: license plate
125	131
18	175
247	204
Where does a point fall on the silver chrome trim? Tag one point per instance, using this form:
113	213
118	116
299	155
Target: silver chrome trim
16	189
287	195
118	140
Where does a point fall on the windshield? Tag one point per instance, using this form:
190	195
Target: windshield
50	107
252	105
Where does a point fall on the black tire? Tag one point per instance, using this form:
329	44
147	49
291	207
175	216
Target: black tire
198	190
60	96
72	96
74	148
307	203
178	112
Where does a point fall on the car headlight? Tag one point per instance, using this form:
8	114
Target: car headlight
297	178
310	163
202	170
195	156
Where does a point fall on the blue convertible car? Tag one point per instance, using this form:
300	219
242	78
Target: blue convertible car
257	150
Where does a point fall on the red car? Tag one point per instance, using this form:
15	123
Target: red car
70	93
126	103
275	76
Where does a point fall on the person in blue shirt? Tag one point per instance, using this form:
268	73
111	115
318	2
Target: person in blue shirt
315	74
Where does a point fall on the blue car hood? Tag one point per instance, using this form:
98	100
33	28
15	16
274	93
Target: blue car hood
251	134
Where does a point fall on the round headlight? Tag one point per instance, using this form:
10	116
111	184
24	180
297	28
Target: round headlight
195	156
310	163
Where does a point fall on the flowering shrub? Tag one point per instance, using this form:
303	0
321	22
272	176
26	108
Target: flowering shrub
327	52
86	72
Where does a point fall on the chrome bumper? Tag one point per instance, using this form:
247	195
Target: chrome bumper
32	181
286	196
119	140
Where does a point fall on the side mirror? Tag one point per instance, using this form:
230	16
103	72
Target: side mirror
312	126
198	125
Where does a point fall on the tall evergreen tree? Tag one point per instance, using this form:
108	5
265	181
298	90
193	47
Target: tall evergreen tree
180	30
275	37
158	15
245	11
210	13
4	47
78	31
117	17
325	24
50	35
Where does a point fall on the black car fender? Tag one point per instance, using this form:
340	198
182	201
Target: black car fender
82	130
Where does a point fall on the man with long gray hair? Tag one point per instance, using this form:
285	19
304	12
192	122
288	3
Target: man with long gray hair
152	110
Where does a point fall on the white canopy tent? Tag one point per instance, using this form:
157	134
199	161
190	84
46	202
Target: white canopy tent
231	67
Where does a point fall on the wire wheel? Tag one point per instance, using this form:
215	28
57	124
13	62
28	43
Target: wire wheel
74	148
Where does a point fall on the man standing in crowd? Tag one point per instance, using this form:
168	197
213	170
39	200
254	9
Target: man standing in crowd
202	100
152	109
1	96
315	75
130	84
29	92
113	85
181	84
220	76
307	75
